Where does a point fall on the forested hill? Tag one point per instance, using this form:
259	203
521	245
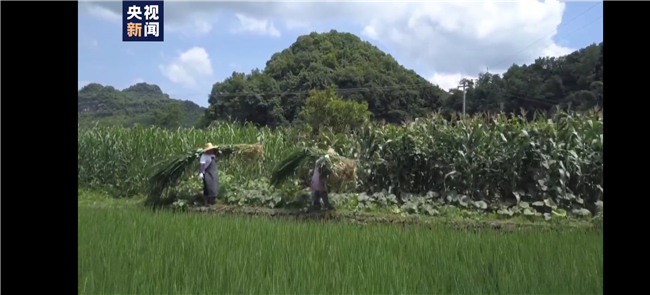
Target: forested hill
358	71
142	103
574	81
317	61
362	72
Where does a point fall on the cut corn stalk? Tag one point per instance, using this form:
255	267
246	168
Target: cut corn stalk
336	169
170	173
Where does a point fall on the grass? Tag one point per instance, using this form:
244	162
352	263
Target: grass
134	251
100	199
491	159
125	249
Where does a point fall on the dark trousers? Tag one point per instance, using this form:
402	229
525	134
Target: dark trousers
209	196
318	195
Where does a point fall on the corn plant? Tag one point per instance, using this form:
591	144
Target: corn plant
493	158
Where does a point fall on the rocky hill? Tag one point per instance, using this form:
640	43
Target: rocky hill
142	103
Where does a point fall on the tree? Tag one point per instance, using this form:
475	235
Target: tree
171	117
316	61
360	72
243	97
137	104
598	69
574	81
326	109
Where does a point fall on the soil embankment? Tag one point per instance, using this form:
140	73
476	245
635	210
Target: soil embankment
374	218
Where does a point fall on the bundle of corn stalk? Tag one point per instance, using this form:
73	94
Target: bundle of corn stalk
337	170
169	173
247	152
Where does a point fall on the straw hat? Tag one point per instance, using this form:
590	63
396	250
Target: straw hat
208	146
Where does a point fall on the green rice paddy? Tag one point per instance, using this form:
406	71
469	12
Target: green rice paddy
135	251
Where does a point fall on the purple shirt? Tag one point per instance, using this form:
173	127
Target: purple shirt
316	183
204	162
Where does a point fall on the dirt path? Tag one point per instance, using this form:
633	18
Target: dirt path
375	218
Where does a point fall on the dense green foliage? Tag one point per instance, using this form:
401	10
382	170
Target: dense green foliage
135	252
356	71
506	160
361	72
324	109
491	163
142	103
316	62
573	81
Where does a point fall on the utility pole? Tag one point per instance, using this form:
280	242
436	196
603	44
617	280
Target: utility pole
463	83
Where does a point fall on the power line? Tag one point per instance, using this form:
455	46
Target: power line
407	88
512	95
538	101
575	31
463	83
584	26
358	90
552	102
550	33
344	90
415	87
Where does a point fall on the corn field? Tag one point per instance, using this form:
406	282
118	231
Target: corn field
493	158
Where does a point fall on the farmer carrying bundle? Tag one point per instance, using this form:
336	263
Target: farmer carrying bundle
329	168
171	172
208	173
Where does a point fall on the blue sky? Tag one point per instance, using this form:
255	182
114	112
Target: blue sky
443	42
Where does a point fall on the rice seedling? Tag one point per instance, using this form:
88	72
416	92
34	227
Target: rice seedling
124	251
500	163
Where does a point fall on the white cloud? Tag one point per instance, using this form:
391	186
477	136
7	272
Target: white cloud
189	20
447	81
464	37
190	68
370	32
445	38
555	50
256	26
197	27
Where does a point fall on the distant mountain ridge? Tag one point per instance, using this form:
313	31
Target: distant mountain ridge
142	103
